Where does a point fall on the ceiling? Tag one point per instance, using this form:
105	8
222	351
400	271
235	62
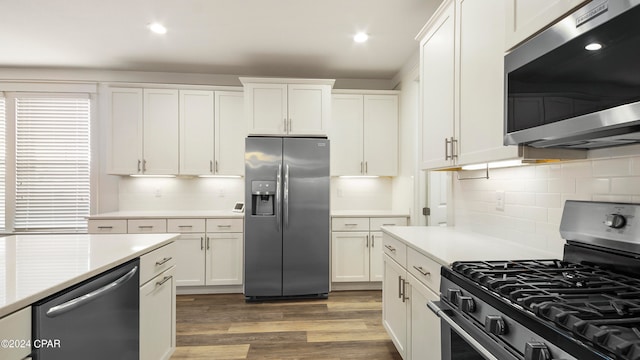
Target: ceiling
293	38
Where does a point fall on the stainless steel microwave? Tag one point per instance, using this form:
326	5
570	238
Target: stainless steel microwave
577	84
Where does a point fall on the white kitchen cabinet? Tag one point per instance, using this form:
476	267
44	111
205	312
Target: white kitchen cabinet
224	259
160	126
125	131
196	132
437	90
394	305
143	131
212	132
424	326
356	248
525	18
16	327
364	134
98	226
287	106
190	259
158	317
230	132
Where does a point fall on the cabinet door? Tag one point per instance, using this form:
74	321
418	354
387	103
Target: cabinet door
375	256
349	256
424	327
308	108
160	145
190	260
231	130
394	308
196	132
158	317
266	106
437	57
481	85
381	135
346	135
526	17
224	259
125	131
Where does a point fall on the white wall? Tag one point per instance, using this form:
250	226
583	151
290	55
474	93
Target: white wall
535	196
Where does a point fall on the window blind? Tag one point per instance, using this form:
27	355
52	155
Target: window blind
52	164
3	159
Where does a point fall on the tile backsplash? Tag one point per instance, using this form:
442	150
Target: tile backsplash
534	197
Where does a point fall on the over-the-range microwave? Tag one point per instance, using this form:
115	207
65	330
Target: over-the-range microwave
577	84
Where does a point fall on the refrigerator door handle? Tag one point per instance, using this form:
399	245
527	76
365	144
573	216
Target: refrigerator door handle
286	196
278	192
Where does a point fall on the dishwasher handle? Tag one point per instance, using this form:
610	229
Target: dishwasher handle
81	300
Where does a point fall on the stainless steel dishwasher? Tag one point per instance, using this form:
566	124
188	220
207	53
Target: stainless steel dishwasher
96	319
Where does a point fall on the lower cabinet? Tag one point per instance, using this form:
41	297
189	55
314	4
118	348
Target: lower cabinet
413	328
16	327
158	317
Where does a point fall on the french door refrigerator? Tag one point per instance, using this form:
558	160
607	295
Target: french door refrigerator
286	228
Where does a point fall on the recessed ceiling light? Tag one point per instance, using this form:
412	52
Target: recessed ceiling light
158	28
360	37
593	47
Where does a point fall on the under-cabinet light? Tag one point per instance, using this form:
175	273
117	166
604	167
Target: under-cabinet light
220	176
157	28
494	165
358	176
360	37
152	176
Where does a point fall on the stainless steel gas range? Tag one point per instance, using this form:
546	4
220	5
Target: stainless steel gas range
585	306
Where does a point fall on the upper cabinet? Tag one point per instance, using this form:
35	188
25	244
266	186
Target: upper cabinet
176	132
364	134
287	106
144	124
525	18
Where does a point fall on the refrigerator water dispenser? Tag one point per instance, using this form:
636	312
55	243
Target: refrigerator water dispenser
263	198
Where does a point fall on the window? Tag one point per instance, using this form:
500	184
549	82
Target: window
52	162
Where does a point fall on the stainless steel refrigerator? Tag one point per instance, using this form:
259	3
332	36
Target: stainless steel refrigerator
286	227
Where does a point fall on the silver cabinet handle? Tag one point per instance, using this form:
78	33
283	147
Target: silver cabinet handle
285	125
208	243
185	226
454	153
278	191
446	149
202	243
145	226
164	280
211	166
388	224
286	196
421	270
144	165
163	261
290	127
224	226
105	227
373	241
139	162
350	224
391	248
361	167
216	166
404	290
399	287
460	331
366	167
367	244
72	304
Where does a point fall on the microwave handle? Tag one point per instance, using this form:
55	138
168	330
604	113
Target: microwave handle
468	338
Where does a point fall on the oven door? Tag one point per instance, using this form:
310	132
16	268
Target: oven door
461	340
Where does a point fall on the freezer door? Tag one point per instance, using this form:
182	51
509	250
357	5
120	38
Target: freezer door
306	236
262	233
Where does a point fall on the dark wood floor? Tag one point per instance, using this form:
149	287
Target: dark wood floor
348	325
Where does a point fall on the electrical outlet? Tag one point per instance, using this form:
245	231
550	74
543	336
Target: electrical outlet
500	200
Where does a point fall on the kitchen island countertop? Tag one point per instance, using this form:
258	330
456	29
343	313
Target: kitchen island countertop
33	267
448	244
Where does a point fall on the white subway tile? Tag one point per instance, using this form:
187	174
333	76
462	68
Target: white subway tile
542	171
555	171
613	198
592	186
581	197
625	186
568	185
555	245
555	185
635	165
578	169
520	198
545	229
555	215
535	185
612	167
548	200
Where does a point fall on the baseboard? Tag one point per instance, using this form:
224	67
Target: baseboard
218	289
345	286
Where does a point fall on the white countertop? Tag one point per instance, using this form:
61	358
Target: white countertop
33	267
448	244
167	214
368	213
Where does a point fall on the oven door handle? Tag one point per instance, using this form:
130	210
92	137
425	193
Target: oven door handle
468	338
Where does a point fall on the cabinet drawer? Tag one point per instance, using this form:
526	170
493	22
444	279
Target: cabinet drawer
157	261
424	269
147	226
396	249
185	225
350	224
107	227
16	326
376	223
225	225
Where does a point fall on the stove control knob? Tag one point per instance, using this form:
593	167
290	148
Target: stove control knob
453	295
467	304
495	325
615	221
536	351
